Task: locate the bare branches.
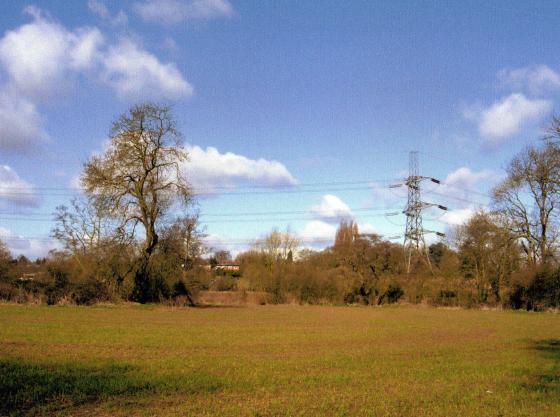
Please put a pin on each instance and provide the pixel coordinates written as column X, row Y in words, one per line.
column 529, row 197
column 139, row 177
column 83, row 227
column 278, row 245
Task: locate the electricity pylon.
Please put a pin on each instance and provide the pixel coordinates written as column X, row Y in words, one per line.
column 414, row 242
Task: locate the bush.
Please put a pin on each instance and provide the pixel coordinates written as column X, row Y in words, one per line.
column 446, row 298
column 90, row 292
column 224, row 283
column 392, row 294
column 537, row 291
column 149, row 286
column 8, row 292
column 181, row 294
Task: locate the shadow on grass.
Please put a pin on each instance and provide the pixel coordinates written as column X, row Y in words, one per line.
column 549, row 381
column 26, row 388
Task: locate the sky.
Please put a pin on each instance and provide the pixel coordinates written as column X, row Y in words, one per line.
column 296, row 114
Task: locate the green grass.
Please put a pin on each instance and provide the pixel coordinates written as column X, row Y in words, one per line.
column 277, row 361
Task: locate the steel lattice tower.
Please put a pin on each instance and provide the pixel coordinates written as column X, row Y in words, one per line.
column 414, row 242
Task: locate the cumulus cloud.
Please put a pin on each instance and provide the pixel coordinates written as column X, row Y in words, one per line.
column 507, row 117
column 537, row 79
column 331, row 208
column 318, row 231
column 458, row 217
column 42, row 58
column 464, row 178
column 135, row 73
column 461, row 187
column 462, row 192
column 14, row 189
column 42, row 55
column 208, row 169
column 32, row 248
column 176, row 11
column 99, row 8
column 21, row 126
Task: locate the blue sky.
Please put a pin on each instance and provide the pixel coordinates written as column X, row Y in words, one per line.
column 274, row 97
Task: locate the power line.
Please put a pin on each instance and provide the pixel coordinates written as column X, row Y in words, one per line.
column 202, row 190
column 310, row 217
column 232, row 214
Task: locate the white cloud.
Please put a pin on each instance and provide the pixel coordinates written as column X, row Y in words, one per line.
column 320, row 234
column 21, row 126
column 41, row 56
column 176, row 11
column 31, row 248
column 464, row 177
column 318, row 231
column 367, row 228
column 331, row 208
column 42, row 59
column 458, row 217
column 507, row 116
column 99, row 8
column 537, row 79
column 14, row 189
column 463, row 187
column 135, row 73
column 208, row 169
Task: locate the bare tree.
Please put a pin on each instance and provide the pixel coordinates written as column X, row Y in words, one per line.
column 5, row 258
column 278, row 245
column 528, row 197
column 138, row 178
column 83, row 227
column 188, row 237
column 488, row 251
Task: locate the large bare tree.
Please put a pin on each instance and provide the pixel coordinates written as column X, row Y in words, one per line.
column 138, row 179
column 528, row 197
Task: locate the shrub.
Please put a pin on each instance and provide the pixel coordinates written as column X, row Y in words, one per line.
column 224, row 283
column 90, row 292
column 446, row 297
column 392, row 294
column 181, row 294
column 8, row 292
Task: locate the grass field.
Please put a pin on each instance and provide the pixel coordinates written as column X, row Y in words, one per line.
column 277, row 361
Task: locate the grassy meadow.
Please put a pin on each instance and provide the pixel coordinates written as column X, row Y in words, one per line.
column 277, row 361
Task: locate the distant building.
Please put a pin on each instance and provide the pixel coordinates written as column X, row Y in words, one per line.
column 226, row 267
column 27, row 277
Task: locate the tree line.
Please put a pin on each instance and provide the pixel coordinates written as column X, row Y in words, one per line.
column 135, row 236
